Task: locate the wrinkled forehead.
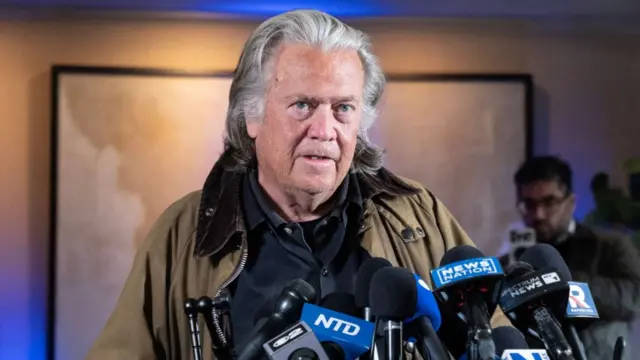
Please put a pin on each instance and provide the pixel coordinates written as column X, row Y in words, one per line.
column 315, row 72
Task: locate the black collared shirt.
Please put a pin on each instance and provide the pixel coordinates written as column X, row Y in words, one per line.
column 323, row 252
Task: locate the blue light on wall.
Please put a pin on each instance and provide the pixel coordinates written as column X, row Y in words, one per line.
column 259, row 8
column 240, row 8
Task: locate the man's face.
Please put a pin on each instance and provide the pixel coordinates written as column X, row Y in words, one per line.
column 307, row 137
column 546, row 207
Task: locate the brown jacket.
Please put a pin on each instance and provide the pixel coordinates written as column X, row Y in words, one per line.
column 199, row 246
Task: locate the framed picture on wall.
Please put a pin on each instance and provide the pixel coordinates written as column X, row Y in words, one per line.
column 126, row 143
column 462, row 136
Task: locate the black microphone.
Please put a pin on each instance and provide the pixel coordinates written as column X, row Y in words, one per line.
column 209, row 309
column 333, row 351
column 392, row 300
column 304, row 354
column 425, row 317
column 534, row 299
column 191, row 309
column 363, row 283
column 468, row 283
column 513, row 346
column 618, row 350
column 543, row 256
column 505, row 338
column 288, row 307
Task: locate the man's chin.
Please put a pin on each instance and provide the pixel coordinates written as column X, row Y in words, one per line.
column 316, row 185
column 545, row 237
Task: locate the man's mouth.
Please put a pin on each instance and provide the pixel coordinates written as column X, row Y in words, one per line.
column 316, row 157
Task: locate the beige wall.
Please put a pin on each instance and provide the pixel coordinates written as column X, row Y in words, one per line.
column 586, row 109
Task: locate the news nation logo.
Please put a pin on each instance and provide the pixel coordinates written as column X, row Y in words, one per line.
column 525, row 355
column 580, row 302
column 465, row 269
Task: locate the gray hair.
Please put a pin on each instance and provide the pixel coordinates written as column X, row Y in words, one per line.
column 248, row 89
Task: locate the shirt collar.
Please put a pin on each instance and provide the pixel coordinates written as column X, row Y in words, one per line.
column 258, row 208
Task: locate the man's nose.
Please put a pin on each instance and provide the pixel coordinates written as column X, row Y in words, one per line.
column 539, row 213
column 322, row 124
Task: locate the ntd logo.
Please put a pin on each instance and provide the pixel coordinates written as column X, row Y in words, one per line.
column 525, row 355
column 580, row 302
column 338, row 325
column 465, row 269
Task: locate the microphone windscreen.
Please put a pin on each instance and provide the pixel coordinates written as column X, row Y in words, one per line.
column 304, row 289
column 506, row 337
column 393, row 293
column 542, row 256
column 363, row 280
column 341, row 302
column 517, row 269
column 459, row 253
column 304, row 354
column 333, row 350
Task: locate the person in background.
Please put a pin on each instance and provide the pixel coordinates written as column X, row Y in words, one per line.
column 299, row 193
column 608, row 262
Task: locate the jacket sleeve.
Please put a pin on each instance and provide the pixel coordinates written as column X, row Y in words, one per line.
column 136, row 329
column 615, row 285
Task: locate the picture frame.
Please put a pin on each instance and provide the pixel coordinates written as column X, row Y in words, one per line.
column 115, row 130
column 462, row 136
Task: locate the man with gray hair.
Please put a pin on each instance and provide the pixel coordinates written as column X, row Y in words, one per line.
column 299, row 193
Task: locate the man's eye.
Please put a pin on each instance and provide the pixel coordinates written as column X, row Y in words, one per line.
column 345, row 107
column 302, row 105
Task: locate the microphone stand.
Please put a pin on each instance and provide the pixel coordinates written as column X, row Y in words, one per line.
column 191, row 309
column 618, row 350
column 393, row 340
column 209, row 308
column 574, row 341
column 480, row 345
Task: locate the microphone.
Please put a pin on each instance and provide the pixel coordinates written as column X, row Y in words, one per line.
column 513, row 346
column 209, row 309
column 296, row 343
column 469, row 283
column 304, row 354
column 426, row 321
column 363, row 282
column 342, row 335
column 393, row 300
column 535, row 299
column 618, row 350
column 581, row 312
column 191, row 309
column 288, row 307
column 505, row 337
column 525, row 355
column 544, row 255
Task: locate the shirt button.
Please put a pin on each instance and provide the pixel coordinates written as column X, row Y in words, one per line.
column 288, row 230
column 324, row 272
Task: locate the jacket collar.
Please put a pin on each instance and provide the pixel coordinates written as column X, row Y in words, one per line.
column 220, row 214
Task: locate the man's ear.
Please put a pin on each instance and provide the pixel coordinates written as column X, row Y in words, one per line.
column 573, row 198
column 253, row 127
